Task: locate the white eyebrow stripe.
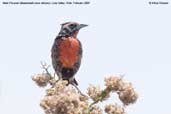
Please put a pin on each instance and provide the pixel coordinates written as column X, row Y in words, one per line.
column 67, row 27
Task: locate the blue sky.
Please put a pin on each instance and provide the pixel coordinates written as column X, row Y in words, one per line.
column 127, row 37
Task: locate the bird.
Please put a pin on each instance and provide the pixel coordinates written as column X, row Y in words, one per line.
column 66, row 52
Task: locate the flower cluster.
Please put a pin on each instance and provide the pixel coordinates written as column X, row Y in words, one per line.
column 114, row 109
column 114, row 83
column 64, row 98
column 124, row 89
column 127, row 94
column 94, row 92
column 96, row 110
column 41, row 79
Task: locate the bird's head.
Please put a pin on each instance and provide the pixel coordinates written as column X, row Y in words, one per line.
column 70, row 29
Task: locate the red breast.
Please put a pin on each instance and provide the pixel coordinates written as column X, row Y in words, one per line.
column 69, row 52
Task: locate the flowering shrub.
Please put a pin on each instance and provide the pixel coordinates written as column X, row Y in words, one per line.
column 62, row 98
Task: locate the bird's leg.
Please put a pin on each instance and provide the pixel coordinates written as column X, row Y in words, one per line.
column 59, row 75
column 54, row 75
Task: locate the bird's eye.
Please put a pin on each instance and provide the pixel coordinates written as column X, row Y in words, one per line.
column 72, row 25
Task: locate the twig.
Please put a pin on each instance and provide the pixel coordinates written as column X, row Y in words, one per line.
column 45, row 67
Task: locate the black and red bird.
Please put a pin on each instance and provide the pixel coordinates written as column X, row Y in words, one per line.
column 66, row 52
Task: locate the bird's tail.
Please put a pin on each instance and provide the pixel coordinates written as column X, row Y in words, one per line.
column 75, row 82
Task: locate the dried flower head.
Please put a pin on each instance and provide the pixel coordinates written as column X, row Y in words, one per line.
column 96, row 110
column 114, row 109
column 64, row 100
column 60, row 86
column 114, row 83
column 94, row 92
column 41, row 79
column 128, row 95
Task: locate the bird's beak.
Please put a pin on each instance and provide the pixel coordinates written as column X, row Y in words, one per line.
column 81, row 26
